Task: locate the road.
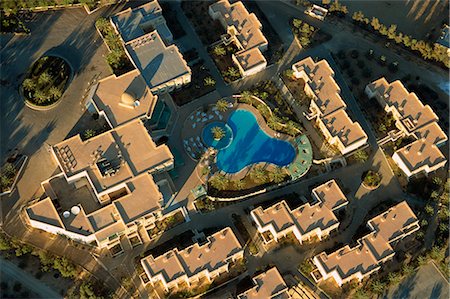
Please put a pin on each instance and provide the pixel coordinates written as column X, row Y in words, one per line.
column 10, row 272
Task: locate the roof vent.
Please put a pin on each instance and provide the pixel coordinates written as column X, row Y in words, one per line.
column 75, row 210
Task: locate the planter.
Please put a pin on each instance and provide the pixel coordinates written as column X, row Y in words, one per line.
column 371, row 180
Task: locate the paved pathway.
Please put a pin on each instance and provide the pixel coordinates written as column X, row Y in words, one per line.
column 11, row 272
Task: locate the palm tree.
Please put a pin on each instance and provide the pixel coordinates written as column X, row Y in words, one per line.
column 217, row 132
column 240, row 184
column 89, row 133
column 358, row 16
column 44, row 78
column 290, row 128
column 103, row 25
column 263, row 95
column 407, row 40
column 394, row 278
column 39, row 96
column 233, row 72
column 219, row 181
column 246, row 97
column 258, row 175
column 222, row 105
column 28, row 84
column 377, row 287
column 219, row 50
column 375, row 23
column 277, row 176
column 209, row 81
column 361, row 156
column 297, row 23
column 383, row 30
column 54, row 92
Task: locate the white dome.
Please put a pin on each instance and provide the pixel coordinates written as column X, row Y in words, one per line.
column 128, row 98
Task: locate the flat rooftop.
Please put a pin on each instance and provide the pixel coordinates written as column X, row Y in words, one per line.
column 112, row 157
column 132, row 23
column 269, row 284
column 157, row 62
column 194, row 259
column 124, row 98
column 341, row 126
column 330, row 195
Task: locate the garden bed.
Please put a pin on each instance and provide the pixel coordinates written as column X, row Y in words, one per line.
column 12, row 23
column 371, row 179
column 165, row 224
column 307, row 35
column 117, row 59
column 202, row 83
column 46, row 81
column 207, row 29
column 221, row 56
column 10, row 172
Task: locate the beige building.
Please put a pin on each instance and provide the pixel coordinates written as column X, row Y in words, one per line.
column 413, row 119
column 372, row 251
column 244, row 30
column 106, row 188
column 305, row 222
column 268, row 285
column 194, row 263
column 121, row 99
column 327, row 108
column 148, row 44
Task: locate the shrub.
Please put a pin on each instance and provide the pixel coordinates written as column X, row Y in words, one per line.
column 371, row 178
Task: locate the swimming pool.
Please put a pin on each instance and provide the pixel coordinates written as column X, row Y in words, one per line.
column 251, row 145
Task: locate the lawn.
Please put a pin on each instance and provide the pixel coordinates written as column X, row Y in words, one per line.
column 46, row 81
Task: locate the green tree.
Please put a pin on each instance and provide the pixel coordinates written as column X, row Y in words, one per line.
column 87, row 292
column 258, row 175
column 28, row 84
column 219, row 181
column 217, row 132
column 394, row 278
column 103, row 25
column 437, row 254
column 297, row 23
column 378, row 287
column 209, row 81
column 54, row 92
column 358, row 16
column 44, row 78
column 4, row 243
column 65, row 267
column 219, row 50
column 375, row 23
column 429, row 210
column 246, row 97
column 392, row 31
column 277, row 175
column 407, row 270
column 291, row 128
column 89, row 133
column 422, row 260
column 222, row 105
column 361, row 156
column 233, row 72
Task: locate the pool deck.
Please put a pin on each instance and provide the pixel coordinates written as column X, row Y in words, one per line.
column 195, row 147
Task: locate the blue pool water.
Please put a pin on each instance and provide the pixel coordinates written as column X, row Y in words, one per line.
column 251, row 145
